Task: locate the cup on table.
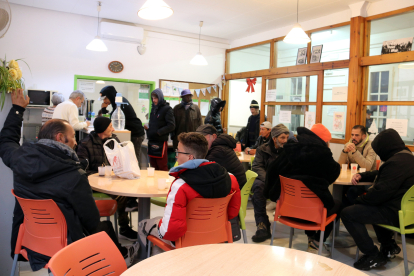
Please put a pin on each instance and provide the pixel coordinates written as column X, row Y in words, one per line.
column 101, row 171
column 362, row 170
column 108, row 170
column 354, row 168
column 150, row 171
column 241, row 155
column 344, row 167
column 162, row 183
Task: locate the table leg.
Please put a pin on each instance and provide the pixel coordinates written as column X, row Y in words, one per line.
column 144, row 208
column 337, row 195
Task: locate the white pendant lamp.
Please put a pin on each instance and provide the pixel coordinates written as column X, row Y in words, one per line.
column 199, row 59
column 97, row 44
column 297, row 35
column 155, row 10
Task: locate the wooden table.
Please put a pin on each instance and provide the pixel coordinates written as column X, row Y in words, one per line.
column 247, row 158
column 143, row 188
column 240, row 259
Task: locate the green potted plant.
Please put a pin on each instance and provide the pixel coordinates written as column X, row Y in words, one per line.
column 10, row 78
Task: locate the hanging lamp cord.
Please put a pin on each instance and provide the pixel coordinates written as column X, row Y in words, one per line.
column 97, row 30
column 199, row 41
column 297, row 11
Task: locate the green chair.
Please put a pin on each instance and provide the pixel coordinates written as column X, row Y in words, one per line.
column 161, row 201
column 245, row 192
column 406, row 217
column 251, row 161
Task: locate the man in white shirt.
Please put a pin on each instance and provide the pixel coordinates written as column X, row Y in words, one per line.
column 68, row 110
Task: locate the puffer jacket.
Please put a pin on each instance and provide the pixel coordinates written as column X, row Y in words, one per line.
column 213, row 116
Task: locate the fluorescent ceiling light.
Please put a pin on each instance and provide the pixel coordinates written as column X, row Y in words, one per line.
column 97, row 44
column 155, row 10
column 198, row 59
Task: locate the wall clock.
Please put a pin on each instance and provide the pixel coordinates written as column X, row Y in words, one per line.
column 115, row 66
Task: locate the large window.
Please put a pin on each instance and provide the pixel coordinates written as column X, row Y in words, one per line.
column 286, row 54
column 249, row 59
column 295, row 89
column 335, row 43
column 297, row 115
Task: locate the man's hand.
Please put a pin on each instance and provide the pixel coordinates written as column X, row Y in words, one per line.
column 350, row 148
column 252, row 152
column 88, row 123
column 104, row 105
column 19, row 99
column 146, row 126
column 246, row 150
column 356, row 178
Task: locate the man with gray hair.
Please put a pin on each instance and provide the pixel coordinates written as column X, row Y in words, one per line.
column 68, row 110
column 265, row 155
column 47, row 114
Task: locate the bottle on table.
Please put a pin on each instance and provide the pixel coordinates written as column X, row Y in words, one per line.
column 118, row 117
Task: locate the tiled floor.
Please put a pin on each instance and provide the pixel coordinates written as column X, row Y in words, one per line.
column 344, row 255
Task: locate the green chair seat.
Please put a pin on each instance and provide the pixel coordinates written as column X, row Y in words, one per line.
column 159, row 201
column 100, row 196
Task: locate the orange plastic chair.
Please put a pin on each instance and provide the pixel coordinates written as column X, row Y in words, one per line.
column 378, row 164
column 43, row 229
column 207, row 223
column 298, row 202
column 94, row 255
column 107, row 208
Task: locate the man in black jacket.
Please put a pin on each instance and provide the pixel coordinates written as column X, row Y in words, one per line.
column 264, row 137
column 50, row 169
column 381, row 203
column 221, row 151
column 161, row 123
column 253, row 125
column 213, row 116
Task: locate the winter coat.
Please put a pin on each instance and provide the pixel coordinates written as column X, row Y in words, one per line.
column 240, row 136
column 260, row 141
column 310, row 161
column 42, row 172
column 365, row 156
column 253, row 126
column 186, row 120
column 196, row 179
column 161, row 121
column 91, row 149
column 394, row 177
column 222, row 152
column 265, row 154
column 213, row 117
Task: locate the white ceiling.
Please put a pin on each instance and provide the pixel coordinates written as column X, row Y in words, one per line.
column 228, row 19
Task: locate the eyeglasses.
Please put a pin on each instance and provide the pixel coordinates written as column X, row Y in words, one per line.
column 177, row 152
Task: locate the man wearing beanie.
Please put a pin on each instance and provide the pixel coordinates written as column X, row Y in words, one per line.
column 264, row 137
column 91, row 149
column 253, row 125
column 265, row 155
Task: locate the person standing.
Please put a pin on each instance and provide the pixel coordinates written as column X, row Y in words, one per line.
column 187, row 116
column 161, row 123
column 213, row 116
column 47, row 113
column 68, row 110
column 253, row 125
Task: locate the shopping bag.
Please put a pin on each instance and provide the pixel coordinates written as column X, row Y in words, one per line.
column 123, row 159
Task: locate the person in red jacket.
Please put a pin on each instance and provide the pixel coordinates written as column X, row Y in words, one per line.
column 194, row 177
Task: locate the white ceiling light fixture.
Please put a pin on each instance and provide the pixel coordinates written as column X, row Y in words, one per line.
column 97, row 44
column 155, row 10
column 297, row 35
column 199, row 59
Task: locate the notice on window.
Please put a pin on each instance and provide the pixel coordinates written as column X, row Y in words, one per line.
column 271, row 95
column 86, row 86
column 339, row 122
column 399, row 125
column 204, row 108
column 285, row 117
column 340, row 94
column 310, row 118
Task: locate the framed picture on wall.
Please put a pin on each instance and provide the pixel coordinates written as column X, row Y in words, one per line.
column 397, row 45
column 316, row 54
column 301, row 58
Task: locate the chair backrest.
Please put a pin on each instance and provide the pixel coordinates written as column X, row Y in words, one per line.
column 176, row 164
column 94, row 255
column 44, row 226
column 246, row 190
column 407, row 207
column 207, row 222
column 297, row 201
column 378, row 164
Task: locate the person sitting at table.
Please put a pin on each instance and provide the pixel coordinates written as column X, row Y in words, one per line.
column 195, row 177
column 381, row 203
column 91, row 149
column 264, row 137
column 310, row 161
column 221, row 151
column 50, row 169
column 265, row 155
column 68, row 110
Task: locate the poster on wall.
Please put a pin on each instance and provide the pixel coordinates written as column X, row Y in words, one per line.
column 271, row 95
column 285, row 117
column 340, row 94
column 167, row 89
column 86, row 86
column 301, row 58
column 310, row 117
column 397, row 45
column 143, row 109
column 203, row 108
column 316, row 54
column 339, row 122
column 399, row 125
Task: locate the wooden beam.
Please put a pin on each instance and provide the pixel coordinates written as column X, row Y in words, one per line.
column 263, row 98
column 328, row 27
column 387, row 58
column 272, row 55
column 391, row 13
column 290, row 103
column 410, row 103
column 319, row 98
column 249, row 45
column 335, row 103
column 338, row 141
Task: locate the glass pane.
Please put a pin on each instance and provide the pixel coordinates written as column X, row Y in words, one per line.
column 286, row 54
column 390, row 28
column 250, row 59
column 334, row 119
column 334, row 78
column 377, row 115
column 297, row 115
column 293, row 89
column 335, row 43
column 391, row 82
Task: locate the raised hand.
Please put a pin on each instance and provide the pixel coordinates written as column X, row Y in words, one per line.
column 19, row 99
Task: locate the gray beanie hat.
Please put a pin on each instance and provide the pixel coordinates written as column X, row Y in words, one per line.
column 279, row 129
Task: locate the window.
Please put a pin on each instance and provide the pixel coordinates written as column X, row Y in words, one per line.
column 249, row 59
column 294, row 89
column 332, row 79
column 286, row 54
column 334, row 119
column 335, row 43
column 297, row 115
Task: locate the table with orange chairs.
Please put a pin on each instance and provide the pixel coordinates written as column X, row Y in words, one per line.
column 240, row 259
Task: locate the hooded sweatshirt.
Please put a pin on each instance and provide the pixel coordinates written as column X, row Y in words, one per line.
column 161, row 121
column 196, row 178
column 213, row 116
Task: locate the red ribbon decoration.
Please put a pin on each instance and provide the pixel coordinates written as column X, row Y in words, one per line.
column 250, row 83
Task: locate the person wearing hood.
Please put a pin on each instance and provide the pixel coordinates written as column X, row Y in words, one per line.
column 195, row 177
column 187, row 116
column 265, row 155
column 264, row 137
column 50, row 169
column 161, row 123
column 132, row 122
column 253, row 125
column 381, row 203
column 213, row 117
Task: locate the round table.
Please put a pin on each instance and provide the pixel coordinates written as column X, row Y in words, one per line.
column 240, row 259
column 247, row 158
column 143, row 188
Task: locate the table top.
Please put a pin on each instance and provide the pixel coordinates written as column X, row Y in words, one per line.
column 240, row 259
column 345, row 179
column 246, row 158
column 146, row 186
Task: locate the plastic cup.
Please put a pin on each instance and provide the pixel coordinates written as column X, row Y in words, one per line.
column 362, row 170
column 354, row 168
column 108, row 171
column 101, row 171
column 241, row 155
column 162, row 183
column 150, row 171
column 344, row 167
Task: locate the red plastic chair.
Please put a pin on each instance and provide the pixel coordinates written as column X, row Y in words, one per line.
column 107, row 208
column 298, row 202
column 43, row 229
column 207, row 223
column 378, row 164
column 95, row 255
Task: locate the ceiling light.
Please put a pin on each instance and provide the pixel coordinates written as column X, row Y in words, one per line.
column 100, row 82
column 199, row 59
column 297, row 35
column 97, row 44
column 155, row 10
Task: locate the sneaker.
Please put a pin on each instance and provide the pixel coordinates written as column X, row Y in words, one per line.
column 131, row 206
column 132, row 252
column 313, row 247
column 128, row 234
column 389, row 251
column 262, row 233
column 271, row 206
column 367, row 262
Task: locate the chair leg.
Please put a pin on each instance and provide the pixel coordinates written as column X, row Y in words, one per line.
column 130, row 219
column 357, row 254
column 405, row 254
column 149, row 249
column 16, row 256
column 244, row 235
column 291, row 237
column 116, row 223
column 321, row 242
column 333, row 240
column 395, row 236
column 273, row 232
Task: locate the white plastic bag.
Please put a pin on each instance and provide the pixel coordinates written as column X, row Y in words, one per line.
column 123, row 159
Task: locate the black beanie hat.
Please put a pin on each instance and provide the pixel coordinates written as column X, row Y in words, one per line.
column 101, row 124
column 254, row 104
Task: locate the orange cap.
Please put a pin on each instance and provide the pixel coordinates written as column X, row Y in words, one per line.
column 322, row 132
